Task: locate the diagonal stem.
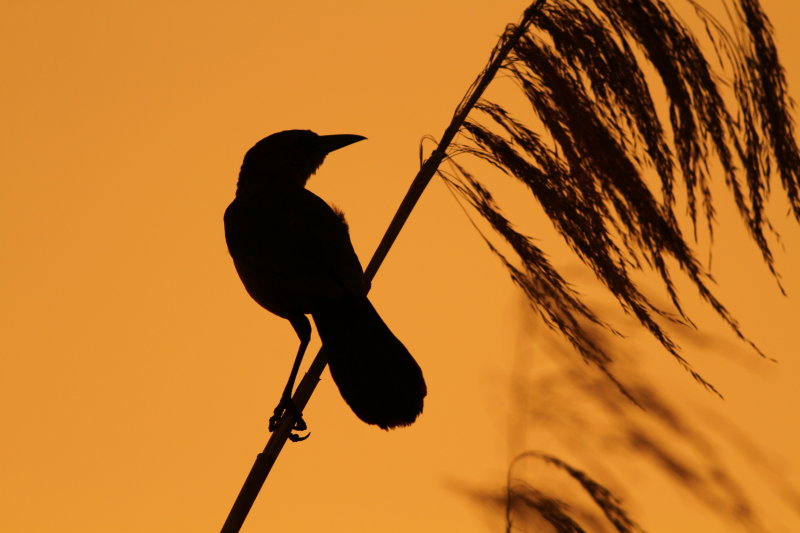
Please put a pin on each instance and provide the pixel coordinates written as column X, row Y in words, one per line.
column 265, row 460
column 431, row 165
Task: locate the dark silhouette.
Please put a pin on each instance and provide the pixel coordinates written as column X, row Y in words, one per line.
column 283, row 431
column 293, row 253
column 595, row 134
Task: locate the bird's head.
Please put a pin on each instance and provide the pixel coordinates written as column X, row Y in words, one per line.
column 288, row 158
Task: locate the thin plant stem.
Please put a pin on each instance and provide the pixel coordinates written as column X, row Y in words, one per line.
column 266, row 459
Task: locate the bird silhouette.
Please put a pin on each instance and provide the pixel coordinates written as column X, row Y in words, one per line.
column 293, row 254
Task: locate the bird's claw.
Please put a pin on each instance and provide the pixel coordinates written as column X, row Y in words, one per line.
column 286, row 405
column 294, row 437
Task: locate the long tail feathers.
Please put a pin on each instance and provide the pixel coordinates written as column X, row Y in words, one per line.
column 375, row 373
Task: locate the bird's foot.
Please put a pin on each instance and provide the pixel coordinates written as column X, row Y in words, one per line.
column 284, row 407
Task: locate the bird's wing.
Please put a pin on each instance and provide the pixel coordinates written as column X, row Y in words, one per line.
column 325, row 231
column 297, row 241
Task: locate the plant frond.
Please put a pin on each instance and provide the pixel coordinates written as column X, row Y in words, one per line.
column 582, row 69
column 555, row 511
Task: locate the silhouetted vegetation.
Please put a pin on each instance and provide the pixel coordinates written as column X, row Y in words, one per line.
column 588, row 70
column 610, row 165
column 584, row 72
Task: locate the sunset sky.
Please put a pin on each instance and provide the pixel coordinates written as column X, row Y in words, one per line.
column 138, row 376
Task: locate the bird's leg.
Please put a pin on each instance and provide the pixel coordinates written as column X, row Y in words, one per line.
column 302, row 327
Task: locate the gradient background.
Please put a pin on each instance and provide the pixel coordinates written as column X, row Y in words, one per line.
column 138, row 376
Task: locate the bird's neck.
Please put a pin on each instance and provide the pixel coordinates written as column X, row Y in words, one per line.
column 265, row 187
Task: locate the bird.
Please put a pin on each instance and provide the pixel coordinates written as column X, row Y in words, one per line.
column 293, row 254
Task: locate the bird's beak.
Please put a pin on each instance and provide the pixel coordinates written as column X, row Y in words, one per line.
column 329, row 143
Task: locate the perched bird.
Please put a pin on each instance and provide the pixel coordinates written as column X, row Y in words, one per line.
column 294, row 256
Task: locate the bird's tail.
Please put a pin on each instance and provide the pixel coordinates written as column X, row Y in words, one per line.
column 375, row 373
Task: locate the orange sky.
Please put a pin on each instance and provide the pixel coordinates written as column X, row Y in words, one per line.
column 138, row 376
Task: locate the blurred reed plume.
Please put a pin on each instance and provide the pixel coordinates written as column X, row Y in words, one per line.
column 556, row 513
column 687, row 450
column 588, row 72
